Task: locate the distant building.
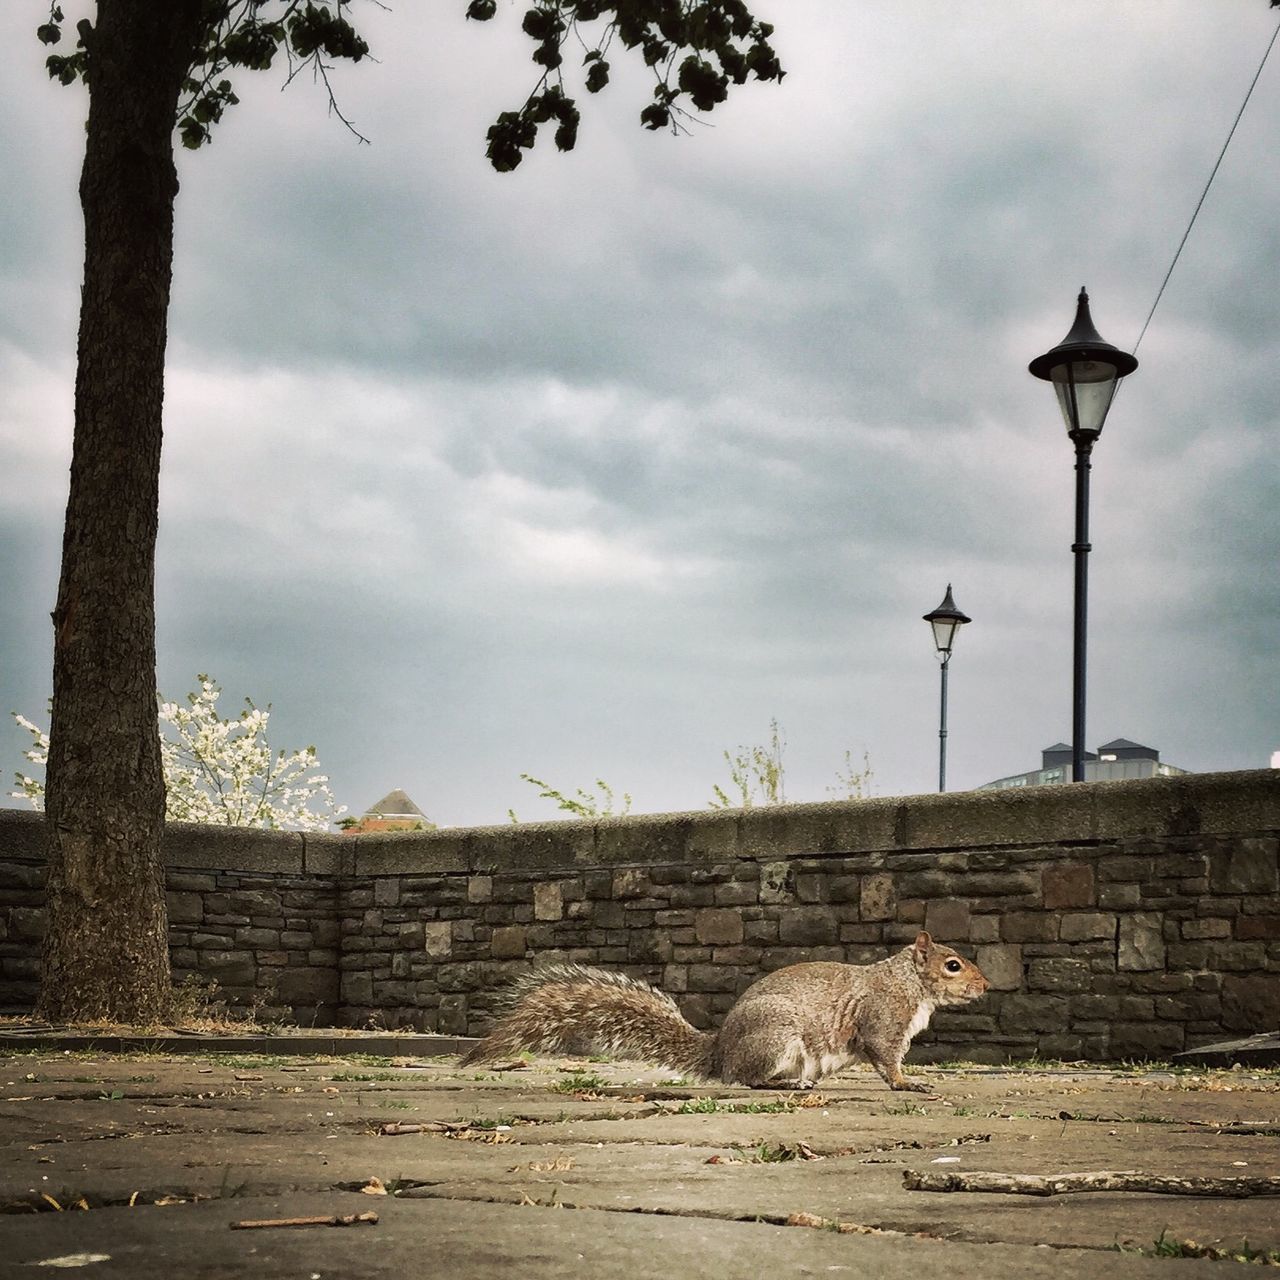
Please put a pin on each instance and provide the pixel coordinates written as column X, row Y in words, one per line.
column 1112, row 762
column 394, row 812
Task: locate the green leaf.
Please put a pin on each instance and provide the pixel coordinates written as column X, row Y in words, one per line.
column 597, row 77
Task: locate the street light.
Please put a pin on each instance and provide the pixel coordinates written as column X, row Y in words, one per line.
column 946, row 620
column 1085, row 372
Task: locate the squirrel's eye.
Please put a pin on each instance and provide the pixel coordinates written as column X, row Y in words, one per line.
column 952, row 966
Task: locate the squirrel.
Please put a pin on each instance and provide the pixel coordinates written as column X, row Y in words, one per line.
column 788, row 1029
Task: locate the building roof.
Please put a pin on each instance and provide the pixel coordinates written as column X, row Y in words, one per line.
column 1059, row 746
column 395, row 804
column 1123, row 744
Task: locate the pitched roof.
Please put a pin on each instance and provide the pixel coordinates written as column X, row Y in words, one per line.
column 1059, row 746
column 395, row 804
column 1120, row 744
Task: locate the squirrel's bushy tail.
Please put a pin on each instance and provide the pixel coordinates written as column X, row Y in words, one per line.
column 569, row 1008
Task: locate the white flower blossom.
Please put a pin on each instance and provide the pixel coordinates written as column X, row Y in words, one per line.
column 219, row 771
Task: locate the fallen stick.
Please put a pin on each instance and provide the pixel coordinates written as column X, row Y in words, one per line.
column 320, row 1220
column 1029, row 1184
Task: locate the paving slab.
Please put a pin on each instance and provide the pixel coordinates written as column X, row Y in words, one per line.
column 585, row 1168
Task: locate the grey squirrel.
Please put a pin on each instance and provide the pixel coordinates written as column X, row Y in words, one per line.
column 791, row 1027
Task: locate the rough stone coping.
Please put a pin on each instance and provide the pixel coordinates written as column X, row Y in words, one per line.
column 1205, row 803
column 1254, row 1051
column 296, row 1042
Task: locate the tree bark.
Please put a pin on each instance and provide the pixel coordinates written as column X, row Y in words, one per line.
column 106, row 950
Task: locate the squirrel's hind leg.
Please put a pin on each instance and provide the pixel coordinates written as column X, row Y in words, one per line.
column 764, row 1059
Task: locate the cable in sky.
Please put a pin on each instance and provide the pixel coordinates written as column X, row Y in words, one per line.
column 1207, row 185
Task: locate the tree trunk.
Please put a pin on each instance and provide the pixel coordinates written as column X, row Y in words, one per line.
column 106, row 950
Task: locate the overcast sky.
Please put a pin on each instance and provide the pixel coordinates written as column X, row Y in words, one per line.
column 591, row 469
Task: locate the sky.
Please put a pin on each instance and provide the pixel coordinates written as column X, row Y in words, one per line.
column 595, row 469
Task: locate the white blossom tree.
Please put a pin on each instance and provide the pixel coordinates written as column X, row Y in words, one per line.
column 219, row 770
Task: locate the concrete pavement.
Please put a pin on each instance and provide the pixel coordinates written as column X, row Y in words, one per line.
column 586, row 1169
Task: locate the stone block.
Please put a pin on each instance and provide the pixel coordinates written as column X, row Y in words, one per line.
column 438, row 939
column 646, row 947
column 1102, row 1007
column 737, row 893
column 1265, row 927
column 860, row 933
column 1033, row 1013
column 1246, row 866
column 306, row 987
column 229, row 968
column 1067, row 884
column 808, row 927
column 696, row 1008
column 325, row 933
column 185, row 908
column 760, row 932
column 1059, row 975
column 1146, row 1039
column 258, row 937
column 844, row 888
column 1239, row 957
column 1212, row 927
column 1001, row 964
column 255, row 902
column 451, row 1015
column 1192, row 1006
column 984, row 928
column 1119, row 897
column 777, row 882
column 631, row 882
column 386, row 891
column 1029, row 926
column 548, row 901
column 508, row 942
column 27, row 923
column 712, row 977
column 1140, row 944
column 811, row 886
column 608, row 915
column 718, row 926
column 479, row 888
column 947, row 919
column 1087, row 926
column 1251, row 1002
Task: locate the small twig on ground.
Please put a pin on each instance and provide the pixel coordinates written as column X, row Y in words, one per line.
column 395, row 1129
column 1027, row 1184
column 320, row 1220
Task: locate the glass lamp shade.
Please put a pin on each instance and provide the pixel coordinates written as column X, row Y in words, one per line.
column 1085, row 371
column 946, row 620
column 1085, row 389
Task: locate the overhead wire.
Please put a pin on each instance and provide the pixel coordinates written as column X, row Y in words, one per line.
column 1204, row 193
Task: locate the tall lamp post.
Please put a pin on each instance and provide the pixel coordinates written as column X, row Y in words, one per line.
column 1085, row 372
column 946, row 620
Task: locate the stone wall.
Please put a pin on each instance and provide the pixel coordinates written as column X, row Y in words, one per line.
column 1113, row 919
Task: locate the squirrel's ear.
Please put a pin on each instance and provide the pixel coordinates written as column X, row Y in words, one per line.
column 923, row 941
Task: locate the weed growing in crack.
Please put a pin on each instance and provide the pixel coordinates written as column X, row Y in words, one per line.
column 1167, row 1246
column 580, row 1082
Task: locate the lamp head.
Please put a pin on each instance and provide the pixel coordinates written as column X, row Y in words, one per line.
column 1085, row 371
column 946, row 620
